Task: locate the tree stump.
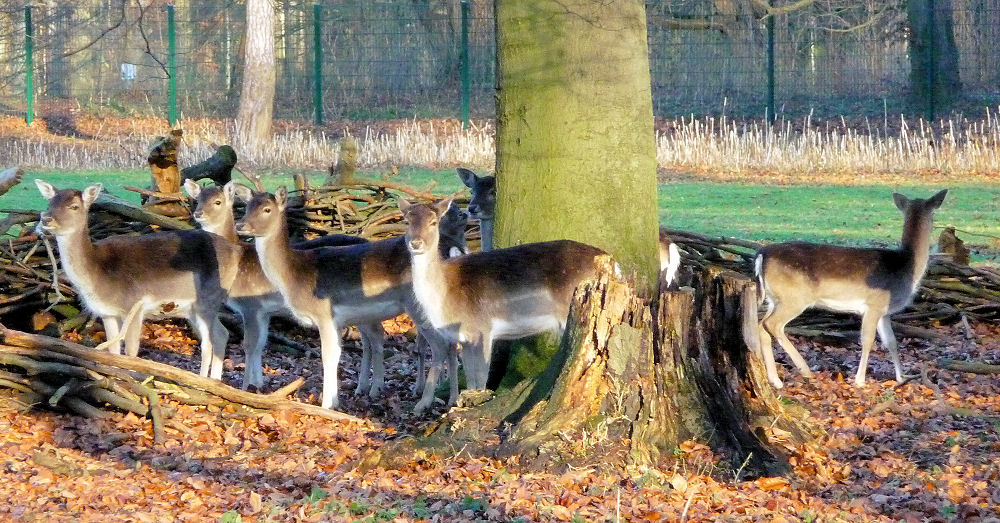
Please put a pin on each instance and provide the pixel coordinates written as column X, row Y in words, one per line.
column 218, row 167
column 166, row 178
column 633, row 379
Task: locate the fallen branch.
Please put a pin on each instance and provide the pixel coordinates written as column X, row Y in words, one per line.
column 974, row 367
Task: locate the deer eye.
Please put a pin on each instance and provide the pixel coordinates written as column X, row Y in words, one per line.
column 218, row 202
column 74, row 207
column 267, row 210
column 434, row 222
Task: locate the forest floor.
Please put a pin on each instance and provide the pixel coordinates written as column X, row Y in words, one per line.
column 923, row 451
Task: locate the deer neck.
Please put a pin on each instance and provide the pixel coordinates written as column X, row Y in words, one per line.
column 277, row 258
column 916, row 245
column 430, row 283
column 78, row 255
column 228, row 228
column 486, row 234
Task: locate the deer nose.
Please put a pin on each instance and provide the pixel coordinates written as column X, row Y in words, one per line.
column 473, row 209
column 416, row 245
column 243, row 228
column 198, row 215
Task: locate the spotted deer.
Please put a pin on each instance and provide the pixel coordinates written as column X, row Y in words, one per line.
column 171, row 274
column 330, row 287
column 482, row 207
column 499, row 294
column 252, row 295
column 872, row 282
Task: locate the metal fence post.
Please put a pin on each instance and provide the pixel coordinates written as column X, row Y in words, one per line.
column 931, row 63
column 317, row 66
column 464, row 64
column 29, row 67
column 770, row 67
column 171, row 67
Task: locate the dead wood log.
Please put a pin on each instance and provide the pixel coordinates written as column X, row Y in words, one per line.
column 36, row 345
column 975, row 367
column 218, row 167
column 9, row 178
column 131, row 211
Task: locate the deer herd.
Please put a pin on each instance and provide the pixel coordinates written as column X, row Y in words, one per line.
column 456, row 298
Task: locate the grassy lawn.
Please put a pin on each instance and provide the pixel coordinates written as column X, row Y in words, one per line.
column 863, row 214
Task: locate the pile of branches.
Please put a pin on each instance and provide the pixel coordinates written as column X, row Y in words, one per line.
column 950, row 292
column 58, row 373
column 368, row 209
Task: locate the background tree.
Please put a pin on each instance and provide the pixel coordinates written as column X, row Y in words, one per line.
column 256, row 111
column 934, row 66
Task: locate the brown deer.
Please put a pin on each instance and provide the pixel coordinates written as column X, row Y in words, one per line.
column 499, row 294
column 252, row 295
column 871, row 282
column 483, row 204
column 171, row 274
column 329, row 287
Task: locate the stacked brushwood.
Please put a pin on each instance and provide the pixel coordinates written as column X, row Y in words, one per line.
column 368, row 209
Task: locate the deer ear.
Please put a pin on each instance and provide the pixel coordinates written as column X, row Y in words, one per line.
column 242, row 192
column 229, row 190
column 468, row 177
column 46, row 188
column 281, row 196
column 90, row 193
column 442, row 206
column 404, row 205
column 192, row 188
column 901, row 201
column 935, row 201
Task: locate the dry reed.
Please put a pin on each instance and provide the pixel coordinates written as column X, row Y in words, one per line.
column 792, row 148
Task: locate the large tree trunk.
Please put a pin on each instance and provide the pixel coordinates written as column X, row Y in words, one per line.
column 933, row 53
column 253, row 121
column 576, row 155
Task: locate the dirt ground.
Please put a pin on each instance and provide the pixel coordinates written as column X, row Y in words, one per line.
column 923, row 451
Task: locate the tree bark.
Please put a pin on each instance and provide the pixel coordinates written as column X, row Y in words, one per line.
column 166, row 178
column 933, row 53
column 576, row 156
column 218, row 167
column 253, row 120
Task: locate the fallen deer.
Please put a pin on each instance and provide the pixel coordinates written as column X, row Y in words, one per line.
column 872, row 282
column 330, row 287
column 482, row 207
column 500, row 294
column 171, row 274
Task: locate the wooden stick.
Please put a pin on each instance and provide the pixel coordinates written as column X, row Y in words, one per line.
column 974, row 367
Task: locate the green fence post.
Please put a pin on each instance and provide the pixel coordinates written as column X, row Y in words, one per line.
column 29, row 67
column 464, row 64
column 770, row 67
column 171, row 67
column 317, row 65
column 931, row 63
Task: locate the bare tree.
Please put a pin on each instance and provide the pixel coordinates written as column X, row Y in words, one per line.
column 256, row 111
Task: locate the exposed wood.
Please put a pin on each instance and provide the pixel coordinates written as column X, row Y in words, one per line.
column 162, row 160
column 974, row 367
column 9, row 178
column 114, row 204
column 33, row 346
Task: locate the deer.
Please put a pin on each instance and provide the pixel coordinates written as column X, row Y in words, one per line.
column 256, row 299
column 871, row 282
column 252, row 295
column 329, row 287
column 162, row 274
column 482, row 207
column 499, row 294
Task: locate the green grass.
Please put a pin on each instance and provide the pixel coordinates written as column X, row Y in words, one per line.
column 863, row 214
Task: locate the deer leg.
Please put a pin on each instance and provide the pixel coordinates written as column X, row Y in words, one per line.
column 111, row 331
column 452, row 374
column 869, row 323
column 766, row 348
column 133, row 332
column 329, row 337
column 420, row 347
column 376, row 348
column 254, row 338
column 889, row 342
column 476, row 361
column 775, row 323
column 438, row 347
column 365, row 368
column 204, row 331
column 219, row 336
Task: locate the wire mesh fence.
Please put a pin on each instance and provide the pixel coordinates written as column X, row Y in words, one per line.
column 404, row 58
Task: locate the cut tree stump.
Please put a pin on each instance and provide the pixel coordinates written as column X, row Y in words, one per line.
column 631, row 381
column 162, row 161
